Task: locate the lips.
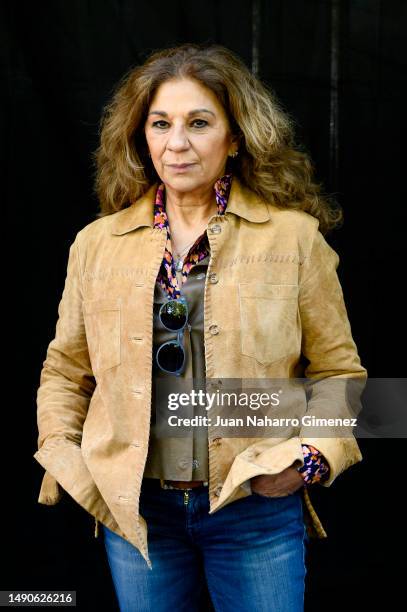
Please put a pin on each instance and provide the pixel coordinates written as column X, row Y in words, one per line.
column 180, row 165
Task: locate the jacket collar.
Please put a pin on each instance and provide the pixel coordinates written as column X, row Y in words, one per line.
column 242, row 202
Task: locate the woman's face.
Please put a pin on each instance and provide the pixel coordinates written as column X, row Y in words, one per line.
column 188, row 135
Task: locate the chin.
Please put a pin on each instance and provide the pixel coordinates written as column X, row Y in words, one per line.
column 184, row 183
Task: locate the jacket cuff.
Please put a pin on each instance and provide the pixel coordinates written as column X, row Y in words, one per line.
column 51, row 491
column 246, row 486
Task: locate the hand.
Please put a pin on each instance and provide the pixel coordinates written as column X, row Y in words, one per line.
column 277, row 485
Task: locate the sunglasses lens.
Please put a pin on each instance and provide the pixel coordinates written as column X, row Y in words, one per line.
column 170, row 356
column 174, row 314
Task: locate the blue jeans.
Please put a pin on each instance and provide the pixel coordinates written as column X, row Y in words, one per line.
column 251, row 553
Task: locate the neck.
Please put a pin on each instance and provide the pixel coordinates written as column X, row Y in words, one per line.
column 190, row 210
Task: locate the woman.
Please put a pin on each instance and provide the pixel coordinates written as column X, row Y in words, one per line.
column 208, row 262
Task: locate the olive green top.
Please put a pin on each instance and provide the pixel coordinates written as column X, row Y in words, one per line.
column 181, row 458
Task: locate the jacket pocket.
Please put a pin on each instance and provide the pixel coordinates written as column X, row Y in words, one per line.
column 102, row 323
column 269, row 319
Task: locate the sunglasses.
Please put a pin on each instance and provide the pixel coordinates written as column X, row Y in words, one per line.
column 170, row 356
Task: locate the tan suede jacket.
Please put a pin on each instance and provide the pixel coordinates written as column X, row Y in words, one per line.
column 272, row 297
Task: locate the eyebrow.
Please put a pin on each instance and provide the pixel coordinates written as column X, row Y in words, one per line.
column 196, row 111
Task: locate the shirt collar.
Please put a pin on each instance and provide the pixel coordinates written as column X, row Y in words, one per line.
column 222, row 189
column 241, row 201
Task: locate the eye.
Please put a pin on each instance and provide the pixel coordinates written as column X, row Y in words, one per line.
column 202, row 122
column 160, row 121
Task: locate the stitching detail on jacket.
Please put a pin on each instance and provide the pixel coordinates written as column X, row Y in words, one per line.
column 294, row 258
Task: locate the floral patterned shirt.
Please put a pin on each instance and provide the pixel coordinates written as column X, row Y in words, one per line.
column 315, row 468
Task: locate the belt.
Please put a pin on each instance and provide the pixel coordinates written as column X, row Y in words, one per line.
column 182, row 484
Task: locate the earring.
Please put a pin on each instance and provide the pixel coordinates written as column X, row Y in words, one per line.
column 235, row 154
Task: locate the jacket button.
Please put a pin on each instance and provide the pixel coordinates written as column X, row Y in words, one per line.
column 213, row 278
column 217, row 491
column 215, row 229
column 214, row 329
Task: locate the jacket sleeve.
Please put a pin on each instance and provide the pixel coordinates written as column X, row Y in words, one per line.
column 66, row 380
column 335, row 376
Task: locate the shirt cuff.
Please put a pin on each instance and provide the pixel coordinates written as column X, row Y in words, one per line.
column 315, row 468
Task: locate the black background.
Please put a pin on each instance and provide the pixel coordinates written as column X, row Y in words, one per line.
column 62, row 59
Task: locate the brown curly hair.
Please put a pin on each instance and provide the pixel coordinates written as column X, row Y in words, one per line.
column 269, row 162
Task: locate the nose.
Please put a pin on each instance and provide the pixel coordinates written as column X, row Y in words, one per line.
column 177, row 139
